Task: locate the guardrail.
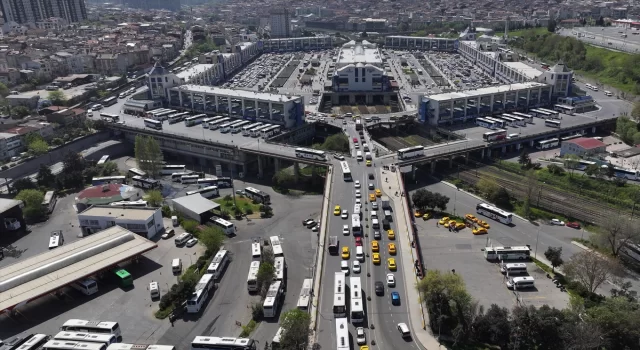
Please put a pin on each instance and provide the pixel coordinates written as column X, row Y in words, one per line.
column 180, row 135
column 447, row 152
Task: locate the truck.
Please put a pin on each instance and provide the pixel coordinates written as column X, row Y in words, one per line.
column 385, row 202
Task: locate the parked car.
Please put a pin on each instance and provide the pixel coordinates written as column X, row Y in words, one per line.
column 556, row 222
column 192, row 242
column 575, row 225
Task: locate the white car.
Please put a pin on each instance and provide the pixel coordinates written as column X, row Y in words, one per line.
column 371, row 186
column 356, row 184
column 344, row 266
column 192, row 242
column 345, row 214
column 360, row 337
column 358, row 194
column 391, row 280
column 556, row 222
column 345, row 229
column 358, row 201
column 374, row 205
column 374, row 215
column 355, row 266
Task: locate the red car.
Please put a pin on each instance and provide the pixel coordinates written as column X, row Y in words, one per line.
column 573, row 225
column 355, row 140
column 358, row 241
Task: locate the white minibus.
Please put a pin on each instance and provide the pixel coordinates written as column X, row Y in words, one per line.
column 87, row 286
column 520, row 282
column 513, row 269
column 183, row 238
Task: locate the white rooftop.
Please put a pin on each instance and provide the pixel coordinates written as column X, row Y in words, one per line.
column 196, row 203
column 364, row 52
column 6, row 204
column 524, row 69
column 194, row 70
column 117, row 212
column 419, row 37
column 254, row 95
column 485, row 91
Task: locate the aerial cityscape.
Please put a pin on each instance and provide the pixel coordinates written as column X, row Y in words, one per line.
column 392, row 169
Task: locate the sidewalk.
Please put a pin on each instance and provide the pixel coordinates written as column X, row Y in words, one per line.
column 417, row 316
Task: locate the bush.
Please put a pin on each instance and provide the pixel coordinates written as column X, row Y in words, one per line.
column 257, row 312
column 248, row 211
column 190, row 226
column 166, row 211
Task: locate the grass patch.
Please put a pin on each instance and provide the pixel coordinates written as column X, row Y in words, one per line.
column 164, row 313
column 308, row 170
column 611, row 60
column 248, row 329
column 243, row 203
column 523, row 32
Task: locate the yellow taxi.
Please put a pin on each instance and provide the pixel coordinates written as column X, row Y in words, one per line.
column 336, row 210
column 391, row 234
column 375, row 247
column 392, row 248
column 479, row 231
column 450, row 223
column 484, row 224
column 368, row 163
column 471, row 217
column 391, row 263
column 378, row 193
column 426, row 216
column 443, row 220
column 364, row 347
column 345, row 252
column 372, row 197
column 376, row 258
column 460, row 225
column 417, row 214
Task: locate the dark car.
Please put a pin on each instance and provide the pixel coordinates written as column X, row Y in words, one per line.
column 370, row 176
column 379, row 288
column 395, row 298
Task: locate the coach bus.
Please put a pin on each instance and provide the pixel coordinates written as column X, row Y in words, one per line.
column 518, row 121
column 213, row 125
column 270, row 131
column 495, row 213
column 72, row 345
column 96, row 181
column 195, row 303
column 546, row 144
column 342, row 334
column 169, row 169
column 507, row 253
column 528, row 118
column 258, row 131
column 34, row 343
column 103, row 327
column 49, row 202
column 164, row 115
column 105, row 339
column 257, row 195
column 225, row 226
column 108, row 117
column 109, row 101
column 153, row 124
column 218, row 264
column 238, row 126
column 246, row 130
column 194, row 120
column 552, row 123
column 206, row 192
column 311, row 154
column 189, row 179
column 538, row 113
column 142, row 182
column 305, row 294
column 569, row 110
column 104, row 159
column 125, row 346
column 224, row 343
column 346, row 172
column 411, row 152
column 273, row 299
column 486, row 123
column 228, row 127
column 137, row 172
column 499, row 123
column 178, row 117
column 496, row 135
column 554, row 114
column 276, row 246
column 339, row 295
column 154, row 112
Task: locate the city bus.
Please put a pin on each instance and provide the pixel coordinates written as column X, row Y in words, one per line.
column 258, row 131
column 257, row 195
column 342, row 334
column 486, row 123
column 305, row 294
column 311, row 154
column 280, row 266
column 168, row 169
column 411, row 152
column 569, row 110
column 213, row 125
column 218, row 264
column 206, row 192
column 355, row 225
column 270, row 131
column 72, row 345
column 499, row 123
column 229, row 126
column 225, row 343
column 207, row 182
column 225, row 226
column 333, row 245
column 272, row 301
column 540, row 113
column 357, row 308
column 507, row 253
column 554, row 114
column 275, row 343
column 49, row 202
column 252, row 279
column 275, row 246
column 34, row 343
column 109, row 101
column 194, row 120
column 194, row 304
column 125, row 346
column 154, row 112
column 164, row 115
column 103, row 160
column 142, row 182
column 358, row 124
column 189, row 179
column 494, row 213
column 518, row 121
column 546, row 144
column 105, row 339
column 256, row 251
column 109, row 117
column 496, row 135
column 153, row 124
column 137, row 172
column 238, row 126
column 246, row 130
column 102, row 327
column 96, row 181
column 552, row 123
column 346, row 172
column 339, row 295
column 177, row 117
column 528, row 118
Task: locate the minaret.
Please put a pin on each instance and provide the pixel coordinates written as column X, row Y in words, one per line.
column 506, row 28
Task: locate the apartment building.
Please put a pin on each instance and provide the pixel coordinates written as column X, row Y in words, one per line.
column 34, row 11
column 10, row 145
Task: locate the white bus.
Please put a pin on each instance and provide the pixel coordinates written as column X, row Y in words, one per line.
column 104, row 327
column 357, row 308
column 528, row 118
column 272, row 301
column 104, row 159
column 105, row 339
column 552, row 123
column 499, row 123
column 342, row 334
column 56, row 239
column 280, row 266
column 258, row 131
column 225, row 343
column 96, row 181
column 139, row 181
column 109, row 101
column 411, row 152
column 87, row 286
column 554, row 114
column 238, row 126
column 538, row 113
column 270, row 131
column 169, row 169
column 177, row 176
column 194, row 120
column 246, row 130
column 305, row 294
column 155, row 112
column 206, row 192
column 189, row 179
column 49, row 202
column 356, row 227
column 311, row 154
column 495, row 135
column 194, row 304
column 275, row 343
column 339, row 295
column 225, row 226
column 518, row 120
column 213, row 125
column 72, row 345
column 486, row 123
column 256, row 251
column 34, row 343
column 153, row 124
column 507, row 253
column 108, row 117
column 275, row 246
column 252, row 279
column 495, row 213
column 546, row 144
column 137, row 172
column 346, row 172
column 178, row 117
column 125, row 346
column 206, row 123
column 225, row 128
column 209, row 181
column 257, row 195
column 218, row 264
column 162, row 116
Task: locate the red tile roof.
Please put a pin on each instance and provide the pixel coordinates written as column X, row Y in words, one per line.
column 587, row 142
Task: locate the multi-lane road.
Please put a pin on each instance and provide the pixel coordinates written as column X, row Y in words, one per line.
column 379, row 311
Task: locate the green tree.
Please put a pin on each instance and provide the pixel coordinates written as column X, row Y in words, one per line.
column 589, row 269
column 487, row 187
column 592, row 170
column 45, row 177
column 284, row 178
column 268, row 256
column 72, row 162
column 148, row 155
column 423, row 199
column 32, row 203
column 266, row 274
column 337, row 143
column 108, row 168
column 554, row 255
column 4, row 91
column 212, row 238
column 190, row 226
column 20, row 112
column 635, row 112
column 57, row 97
column 524, row 160
column 296, row 329
column 38, row 147
column 492, row 327
column 571, row 161
column 24, row 183
column 440, row 201
column 551, row 26
column 154, row 198
column 619, row 320
column 617, row 233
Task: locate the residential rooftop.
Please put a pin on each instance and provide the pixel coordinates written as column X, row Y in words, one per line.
column 254, row 95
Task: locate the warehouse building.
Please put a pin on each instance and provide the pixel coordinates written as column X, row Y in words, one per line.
column 583, row 146
column 195, row 207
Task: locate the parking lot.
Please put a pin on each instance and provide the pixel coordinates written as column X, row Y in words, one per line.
column 258, row 74
column 465, row 75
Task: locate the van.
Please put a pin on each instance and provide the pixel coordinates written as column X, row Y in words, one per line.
column 385, row 224
column 512, row 136
column 174, row 220
column 520, row 282
column 359, row 156
column 365, row 147
column 514, row 269
column 176, row 265
column 608, row 93
column 375, row 223
column 368, row 155
column 360, row 253
column 404, row 330
column 154, row 291
column 183, row 238
column 387, row 214
column 86, row 286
